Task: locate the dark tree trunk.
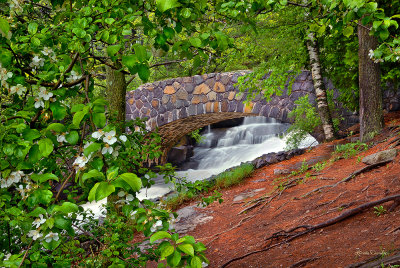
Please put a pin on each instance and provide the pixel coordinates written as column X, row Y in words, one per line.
column 371, row 112
column 115, row 93
column 319, row 87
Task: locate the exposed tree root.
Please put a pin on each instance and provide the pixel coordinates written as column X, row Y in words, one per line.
column 303, row 262
column 215, row 236
column 291, row 234
column 282, row 188
column 377, row 261
column 351, row 176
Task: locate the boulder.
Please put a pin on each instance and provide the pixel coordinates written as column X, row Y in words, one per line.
column 381, row 156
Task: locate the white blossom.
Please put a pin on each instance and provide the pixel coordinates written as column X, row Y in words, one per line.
column 19, row 89
column 23, row 190
column 47, row 51
column 7, row 257
column 74, row 76
column 109, row 137
column 107, row 149
column 16, row 176
column 87, row 144
column 6, row 182
column 128, row 197
column 156, row 226
column 44, row 94
column 61, row 138
column 123, row 138
column 133, row 214
column 37, row 62
column 35, row 234
column 98, row 134
column 371, row 53
column 4, row 75
column 378, row 60
column 51, row 236
column 39, row 103
column 115, row 153
column 38, row 221
column 81, row 161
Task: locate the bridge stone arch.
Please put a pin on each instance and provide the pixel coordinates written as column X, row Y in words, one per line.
column 180, row 105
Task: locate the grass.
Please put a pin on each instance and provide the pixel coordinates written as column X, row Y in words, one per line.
column 197, row 190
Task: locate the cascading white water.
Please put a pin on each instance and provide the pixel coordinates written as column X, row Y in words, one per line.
column 225, row 148
column 228, row 147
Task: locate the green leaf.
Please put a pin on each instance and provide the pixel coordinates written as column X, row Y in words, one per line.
column 30, row 134
column 92, row 193
column 129, row 61
column 134, row 181
column 164, row 5
column 46, row 147
column 144, row 72
column 166, row 251
column 195, row 41
column 72, row 137
column 97, row 163
column 109, row 21
column 79, row 32
column 32, row 28
column 186, row 13
column 376, row 24
column 94, row 147
column 103, row 190
column 112, row 50
column 187, row 248
column 43, row 196
column 35, row 41
column 67, row 207
column 4, row 27
column 43, row 177
column 94, row 173
column 59, row 111
column 99, row 119
column 348, row 31
column 57, row 127
column 140, row 52
column 174, row 260
column 384, row 34
column 34, row 154
column 78, row 116
column 169, row 32
column 5, row 57
column 159, row 235
column 77, row 107
column 52, row 245
column 196, row 262
column 37, row 211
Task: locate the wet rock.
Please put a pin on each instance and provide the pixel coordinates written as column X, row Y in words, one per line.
column 382, row 156
column 281, row 171
column 180, row 154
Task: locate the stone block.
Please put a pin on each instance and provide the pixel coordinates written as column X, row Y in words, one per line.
column 200, row 108
column 182, row 94
column 256, row 108
column 182, row 113
column 155, row 103
column 153, row 113
column 176, row 85
column 158, row 93
column 173, row 99
column 198, row 79
column 169, row 90
column 189, row 87
column 219, row 87
column 139, row 104
column 231, row 95
column 240, row 107
column 210, row 82
column 188, row 79
column 274, row 113
column 179, row 104
column 382, row 156
column 204, row 98
column 169, row 82
column 209, row 106
column 131, row 101
column 165, row 99
column 196, row 100
column 224, row 106
column 170, row 106
column 201, row 89
column 216, row 107
column 225, row 79
column 265, row 110
column 239, row 96
column 212, row 96
column 192, row 110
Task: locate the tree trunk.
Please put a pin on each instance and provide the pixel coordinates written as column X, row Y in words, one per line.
column 319, row 87
column 371, row 113
column 115, row 93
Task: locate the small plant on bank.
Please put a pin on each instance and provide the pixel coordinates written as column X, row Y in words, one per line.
column 319, row 166
column 380, row 210
column 350, row 149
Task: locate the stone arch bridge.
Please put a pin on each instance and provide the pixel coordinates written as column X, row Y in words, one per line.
column 181, row 105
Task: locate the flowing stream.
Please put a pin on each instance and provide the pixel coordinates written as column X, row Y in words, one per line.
column 228, row 147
